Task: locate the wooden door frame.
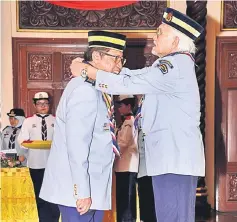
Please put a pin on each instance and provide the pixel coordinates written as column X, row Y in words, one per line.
column 222, row 170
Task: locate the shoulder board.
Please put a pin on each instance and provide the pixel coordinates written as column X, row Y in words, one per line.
column 164, row 66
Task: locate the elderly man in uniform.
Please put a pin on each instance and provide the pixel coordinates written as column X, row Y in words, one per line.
column 40, row 126
column 170, row 114
column 78, row 175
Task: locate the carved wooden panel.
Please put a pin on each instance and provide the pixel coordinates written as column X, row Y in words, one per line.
column 67, row 60
column 226, row 125
column 233, row 187
column 229, row 14
column 43, row 15
column 40, row 66
column 232, row 124
column 232, row 66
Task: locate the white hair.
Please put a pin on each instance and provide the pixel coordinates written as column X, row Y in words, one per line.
column 185, row 43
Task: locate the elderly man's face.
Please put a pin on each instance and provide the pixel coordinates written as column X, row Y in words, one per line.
column 165, row 41
column 110, row 61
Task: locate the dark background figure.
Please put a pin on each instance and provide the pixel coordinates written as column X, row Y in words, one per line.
column 126, row 167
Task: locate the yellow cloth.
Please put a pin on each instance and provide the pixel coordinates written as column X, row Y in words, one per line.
column 18, row 199
column 17, row 196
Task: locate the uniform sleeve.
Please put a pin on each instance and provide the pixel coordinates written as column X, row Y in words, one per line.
column 24, row 133
column 80, row 119
column 125, row 135
column 151, row 80
column 21, row 151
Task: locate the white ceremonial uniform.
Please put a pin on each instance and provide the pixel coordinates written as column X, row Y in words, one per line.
column 127, row 141
column 81, row 158
column 170, row 113
column 31, row 130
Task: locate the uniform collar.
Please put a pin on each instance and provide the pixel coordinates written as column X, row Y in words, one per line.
column 191, row 55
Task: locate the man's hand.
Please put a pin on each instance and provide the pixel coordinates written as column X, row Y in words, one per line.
column 21, row 158
column 77, row 66
column 83, row 205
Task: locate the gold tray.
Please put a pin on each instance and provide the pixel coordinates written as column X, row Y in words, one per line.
column 37, row 144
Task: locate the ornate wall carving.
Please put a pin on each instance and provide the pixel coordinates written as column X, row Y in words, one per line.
column 229, row 15
column 233, row 187
column 67, row 60
column 232, row 65
column 40, row 67
column 43, row 15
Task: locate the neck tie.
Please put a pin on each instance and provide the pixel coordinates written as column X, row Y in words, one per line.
column 110, row 107
column 138, row 113
column 11, row 144
column 43, row 127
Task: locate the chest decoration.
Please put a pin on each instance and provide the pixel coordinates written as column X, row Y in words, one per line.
column 106, row 127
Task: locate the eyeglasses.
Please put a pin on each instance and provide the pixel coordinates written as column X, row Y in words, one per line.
column 117, row 58
column 42, row 104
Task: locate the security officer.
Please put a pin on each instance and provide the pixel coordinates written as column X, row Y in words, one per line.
column 78, row 176
column 10, row 133
column 170, row 114
column 40, row 126
column 126, row 167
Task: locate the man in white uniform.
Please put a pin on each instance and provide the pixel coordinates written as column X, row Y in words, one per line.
column 40, row 126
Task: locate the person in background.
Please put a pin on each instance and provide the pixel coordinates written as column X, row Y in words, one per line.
column 145, row 189
column 10, row 134
column 40, row 126
column 126, row 167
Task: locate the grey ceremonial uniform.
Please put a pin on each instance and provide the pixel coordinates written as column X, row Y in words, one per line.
column 6, row 134
column 81, row 156
column 170, row 113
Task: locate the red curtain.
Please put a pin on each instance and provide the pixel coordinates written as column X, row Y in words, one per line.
column 92, row 5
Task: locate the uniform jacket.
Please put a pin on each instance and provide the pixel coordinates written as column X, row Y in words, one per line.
column 31, row 130
column 81, row 158
column 170, row 113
